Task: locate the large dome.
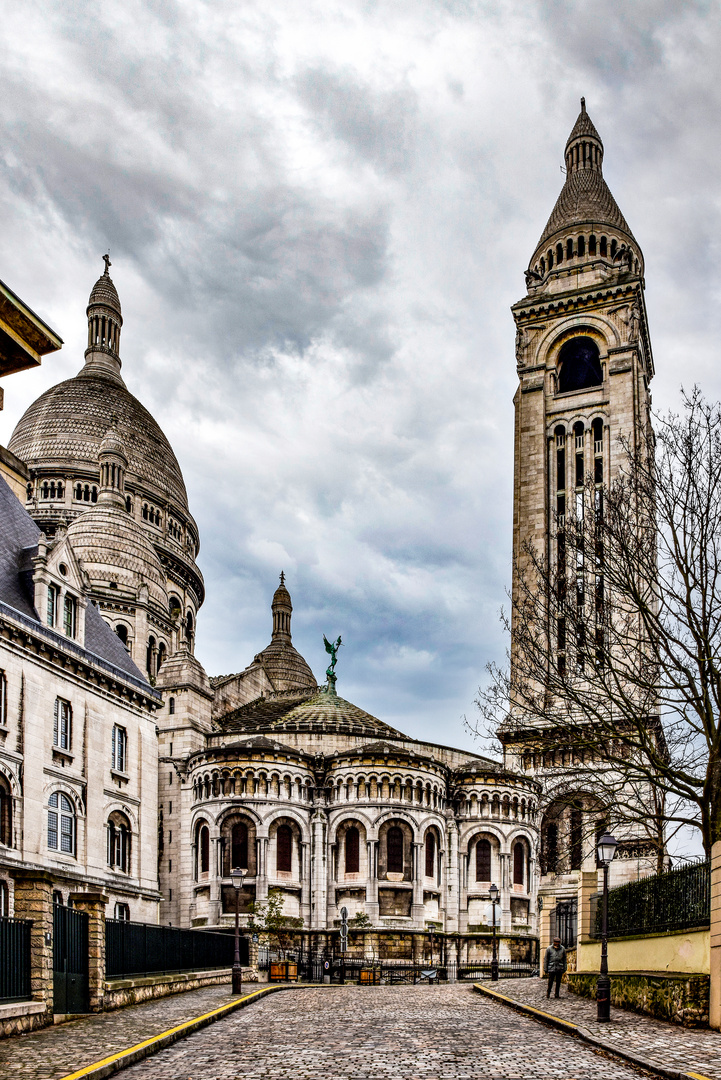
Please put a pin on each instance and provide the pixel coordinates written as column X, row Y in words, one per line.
column 68, row 423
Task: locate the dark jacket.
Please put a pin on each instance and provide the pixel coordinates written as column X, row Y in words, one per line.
column 555, row 960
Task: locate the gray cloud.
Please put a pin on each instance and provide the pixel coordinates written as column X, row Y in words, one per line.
column 318, row 219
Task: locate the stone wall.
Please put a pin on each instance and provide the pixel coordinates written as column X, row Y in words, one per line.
column 20, row 1016
column 122, row 992
column 677, row 996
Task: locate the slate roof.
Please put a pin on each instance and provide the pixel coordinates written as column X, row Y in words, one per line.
column 18, row 546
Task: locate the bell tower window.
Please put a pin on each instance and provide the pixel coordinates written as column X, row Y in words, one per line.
column 579, row 365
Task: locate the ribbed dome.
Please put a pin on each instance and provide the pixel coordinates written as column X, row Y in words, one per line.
column 322, row 712
column 113, row 546
column 67, row 424
column 104, row 292
column 284, row 666
column 585, row 199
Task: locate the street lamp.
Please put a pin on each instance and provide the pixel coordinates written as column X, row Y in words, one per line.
column 606, row 848
column 236, row 876
column 494, row 960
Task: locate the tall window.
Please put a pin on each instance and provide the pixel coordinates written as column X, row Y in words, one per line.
column 63, row 724
column 430, row 855
column 4, row 900
column 119, row 748
column 550, row 848
column 203, row 849
column 519, row 858
column 352, row 850
column 122, row 912
column 483, row 860
column 394, row 847
column 239, row 847
column 61, row 823
column 171, row 706
column 52, row 609
column 284, row 849
column 119, row 842
column 576, row 830
column 6, row 813
column 3, row 700
column 70, row 610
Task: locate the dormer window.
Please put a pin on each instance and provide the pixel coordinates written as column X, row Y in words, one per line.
column 70, row 611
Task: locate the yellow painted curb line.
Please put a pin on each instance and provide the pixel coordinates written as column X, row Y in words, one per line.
column 582, row 1033
column 107, row 1066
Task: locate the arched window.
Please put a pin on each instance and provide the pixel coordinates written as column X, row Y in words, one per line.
column 284, row 849
column 61, row 823
column 580, row 366
column 549, row 848
column 119, row 842
column 559, row 253
column 394, row 848
column 189, row 626
column 239, row 846
column 604, row 247
column 569, row 249
column 519, row 859
column 352, row 850
column 483, row 860
column 161, row 654
column 4, row 900
column 592, row 244
column 150, row 657
column 6, row 813
column 171, row 705
column 430, row 855
column 581, row 245
column 203, row 841
column 122, row 632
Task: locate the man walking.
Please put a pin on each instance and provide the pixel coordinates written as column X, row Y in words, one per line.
column 554, row 965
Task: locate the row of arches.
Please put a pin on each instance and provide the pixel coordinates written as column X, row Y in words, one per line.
column 496, row 806
column 388, row 787
column 103, row 332
column 220, row 784
column 581, row 246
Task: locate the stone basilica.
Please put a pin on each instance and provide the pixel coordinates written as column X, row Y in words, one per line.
column 126, row 770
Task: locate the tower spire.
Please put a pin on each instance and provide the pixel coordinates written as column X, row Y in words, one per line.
column 104, row 322
column 282, row 610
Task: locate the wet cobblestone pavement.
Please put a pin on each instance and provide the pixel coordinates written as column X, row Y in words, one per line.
column 57, row 1051
column 379, row 1033
column 686, row 1049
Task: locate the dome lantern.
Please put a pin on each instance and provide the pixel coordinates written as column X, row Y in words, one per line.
column 104, row 322
column 282, row 610
column 113, row 462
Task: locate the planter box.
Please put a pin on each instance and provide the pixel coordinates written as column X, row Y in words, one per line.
column 284, row 971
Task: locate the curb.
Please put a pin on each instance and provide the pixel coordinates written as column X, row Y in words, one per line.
column 584, row 1034
column 123, row 1058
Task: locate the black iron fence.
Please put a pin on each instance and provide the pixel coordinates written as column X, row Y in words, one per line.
column 14, row 959
column 371, row 971
column 564, row 923
column 676, row 900
column 147, row 949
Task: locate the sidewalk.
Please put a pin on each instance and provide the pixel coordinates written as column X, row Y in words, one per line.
column 58, row 1051
column 667, row 1048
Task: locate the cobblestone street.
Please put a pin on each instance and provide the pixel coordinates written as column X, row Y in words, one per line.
column 379, row 1033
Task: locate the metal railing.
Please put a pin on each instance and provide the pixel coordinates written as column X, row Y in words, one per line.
column 564, row 923
column 373, row 971
column 147, row 949
column 676, row 900
column 15, row 960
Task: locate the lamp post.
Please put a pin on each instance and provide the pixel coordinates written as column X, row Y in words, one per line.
column 430, row 942
column 606, row 848
column 494, row 959
column 236, row 876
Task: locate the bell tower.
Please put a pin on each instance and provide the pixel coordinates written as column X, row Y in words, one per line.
column 585, row 365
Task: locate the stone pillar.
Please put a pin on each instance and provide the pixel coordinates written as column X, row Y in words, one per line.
column 715, row 952
column 305, row 882
column 318, row 881
column 261, row 869
column 372, row 906
column 417, row 909
column 587, row 886
column 34, row 900
column 544, row 928
column 452, row 891
column 93, row 903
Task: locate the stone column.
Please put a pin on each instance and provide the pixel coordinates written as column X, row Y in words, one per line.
column 418, row 909
column 587, row 886
column 372, row 906
column 715, row 952
column 544, row 928
column 93, row 903
column 319, row 883
column 452, row 891
column 305, row 882
column 34, row 900
column 261, row 869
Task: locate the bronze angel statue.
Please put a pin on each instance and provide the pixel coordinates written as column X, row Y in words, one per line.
column 332, row 648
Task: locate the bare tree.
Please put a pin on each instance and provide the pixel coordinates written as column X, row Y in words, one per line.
column 615, row 654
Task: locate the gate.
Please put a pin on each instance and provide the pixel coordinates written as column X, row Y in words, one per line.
column 70, row 960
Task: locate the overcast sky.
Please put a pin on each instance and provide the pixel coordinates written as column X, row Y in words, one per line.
column 318, row 216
